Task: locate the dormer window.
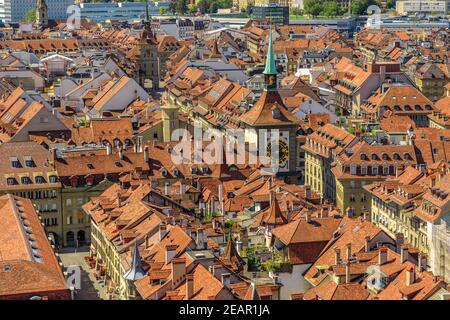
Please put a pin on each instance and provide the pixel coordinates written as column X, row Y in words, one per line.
column 276, row 114
column 205, row 169
column 385, row 156
column 39, row 179
column 407, row 107
column 396, row 156
column 374, row 156
column 15, row 162
column 29, row 163
column 11, row 181
column 164, row 173
column 406, row 156
column 363, row 156
column 53, row 179
column 25, row 180
column 194, row 170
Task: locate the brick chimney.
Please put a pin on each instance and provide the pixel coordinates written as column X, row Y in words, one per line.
column 422, row 262
column 337, row 255
column 171, row 251
column 410, row 276
column 347, row 272
column 189, row 286
column 178, row 271
column 162, row 230
column 307, row 192
column 404, row 254
column 146, row 154
column 348, row 247
column 367, row 244
column 382, row 256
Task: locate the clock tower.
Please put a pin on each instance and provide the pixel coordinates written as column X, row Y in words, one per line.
column 269, row 121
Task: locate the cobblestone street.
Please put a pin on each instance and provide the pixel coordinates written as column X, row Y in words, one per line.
column 90, row 289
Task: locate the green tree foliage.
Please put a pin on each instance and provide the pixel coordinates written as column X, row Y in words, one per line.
column 313, row 7
column 331, row 9
column 31, row 15
column 181, row 7
column 359, row 7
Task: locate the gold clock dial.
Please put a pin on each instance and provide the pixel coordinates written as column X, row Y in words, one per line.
column 282, row 150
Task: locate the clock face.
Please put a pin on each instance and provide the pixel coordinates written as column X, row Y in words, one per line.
column 282, row 152
column 271, row 80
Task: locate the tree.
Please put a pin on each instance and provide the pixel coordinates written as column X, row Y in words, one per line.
column 162, row 10
column 313, row 7
column 390, row 4
column 173, row 7
column 31, row 15
column 296, row 11
column 331, row 9
column 181, row 7
column 359, row 7
column 213, row 7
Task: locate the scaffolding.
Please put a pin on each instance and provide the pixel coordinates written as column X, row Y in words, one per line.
column 440, row 250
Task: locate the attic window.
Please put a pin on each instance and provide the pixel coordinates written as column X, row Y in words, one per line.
column 11, row 181
column 53, row 179
column 117, row 163
column 407, row 107
column 25, row 180
column 90, row 166
column 39, row 179
column 15, row 162
column 276, row 114
column 29, row 163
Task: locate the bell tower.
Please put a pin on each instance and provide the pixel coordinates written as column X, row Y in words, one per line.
column 41, row 14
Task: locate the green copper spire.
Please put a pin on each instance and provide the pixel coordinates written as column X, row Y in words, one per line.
column 270, row 72
column 270, row 60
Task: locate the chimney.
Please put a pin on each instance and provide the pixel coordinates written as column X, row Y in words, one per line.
column 399, row 240
column 166, row 189
column 337, row 255
column 404, row 254
column 422, row 262
column 307, row 192
column 382, row 256
column 201, row 240
column 272, row 197
column 171, row 251
column 308, row 216
column 178, row 271
column 324, row 212
column 238, row 246
column 367, row 243
column 162, row 231
column 146, row 154
column 226, row 279
column 349, row 212
column 349, row 251
column 147, row 241
column 108, row 149
column 347, row 272
column 410, row 276
column 181, row 188
column 189, row 286
column 289, row 217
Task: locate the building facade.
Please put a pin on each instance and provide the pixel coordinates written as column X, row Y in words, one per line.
column 16, row 11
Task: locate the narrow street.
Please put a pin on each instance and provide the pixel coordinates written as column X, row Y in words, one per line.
column 90, row 289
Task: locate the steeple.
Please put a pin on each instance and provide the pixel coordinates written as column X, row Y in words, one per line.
column 136, row 272
column 41, row 13
column 270, row 71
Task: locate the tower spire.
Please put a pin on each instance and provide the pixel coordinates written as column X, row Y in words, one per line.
column 270, row 70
